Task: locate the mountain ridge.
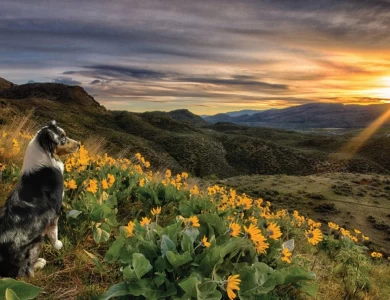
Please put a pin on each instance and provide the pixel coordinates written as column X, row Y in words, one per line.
column 179, row 140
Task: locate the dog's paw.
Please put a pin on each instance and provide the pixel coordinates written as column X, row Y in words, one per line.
column 58, row 245
column 40, row 264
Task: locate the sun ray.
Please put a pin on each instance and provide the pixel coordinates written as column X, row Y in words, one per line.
column 354, row 144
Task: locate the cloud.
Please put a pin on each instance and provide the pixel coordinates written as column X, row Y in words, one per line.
column 202, row 52
column 66, row 80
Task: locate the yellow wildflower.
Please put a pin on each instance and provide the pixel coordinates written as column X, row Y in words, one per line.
column 194, row 190
column 142, row 182
column 314, row 236
column 168, row 173
column 138, row 156
column 156, row 211
column 333, row 226
column 205, row 243
column 111, row 180
column 234, row 229
column 145, row 221
column 232, row 284
column 254, row 233
column 192, row 221
column 286, row 254
column 104, row 184
column 92, row 186
column 130, row 229
column 71, row 184
column 274, row 231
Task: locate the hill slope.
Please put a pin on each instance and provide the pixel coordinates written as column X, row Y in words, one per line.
column 182, row 141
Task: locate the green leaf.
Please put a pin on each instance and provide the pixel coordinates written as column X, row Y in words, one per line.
column 189, row 285
column 234, row 244
column 10, row 295
column 114, row 252
column 310, row 289
column 120, row 289
column 146, row 288
column 192, row 233
column 129, row 274
column 167, row 245
column 178, row 260
column 141, row 265
column 258, row 279
column 208, row 291
column 159, row 279
column 295, row 274
column 187, row 244
column 100, row 235
column 22, row 290
column 73, row 214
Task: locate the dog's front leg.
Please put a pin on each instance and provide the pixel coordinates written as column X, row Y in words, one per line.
column 52, row 233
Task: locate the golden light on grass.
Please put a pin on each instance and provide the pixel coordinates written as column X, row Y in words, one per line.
column 353, row 146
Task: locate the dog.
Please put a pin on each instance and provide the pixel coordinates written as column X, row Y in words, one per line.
column 33, row 207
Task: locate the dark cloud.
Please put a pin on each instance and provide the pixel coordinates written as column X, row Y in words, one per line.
column 96, row 81
column 66, row 80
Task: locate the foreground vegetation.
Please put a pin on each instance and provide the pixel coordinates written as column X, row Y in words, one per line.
column 135, row 233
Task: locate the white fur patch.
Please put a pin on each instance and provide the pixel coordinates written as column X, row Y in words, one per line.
column 58, row 245
column 36, row 158
column 40, row 264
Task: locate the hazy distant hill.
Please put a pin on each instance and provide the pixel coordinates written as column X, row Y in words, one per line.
column 181, row 140
column 229, row 116
column 312, row 115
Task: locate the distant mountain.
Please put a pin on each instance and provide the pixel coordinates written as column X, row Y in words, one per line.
column 312, row 115
column 224, row 117
column 182, row 141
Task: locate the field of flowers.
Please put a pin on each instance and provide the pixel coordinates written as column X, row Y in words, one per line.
column 155, row 235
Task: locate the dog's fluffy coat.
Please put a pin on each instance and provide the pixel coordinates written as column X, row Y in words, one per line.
column 33, row 207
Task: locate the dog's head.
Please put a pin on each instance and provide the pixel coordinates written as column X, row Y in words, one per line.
column 53, row 140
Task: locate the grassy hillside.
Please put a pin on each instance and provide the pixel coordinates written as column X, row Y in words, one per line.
column 181, row 141
column 129, row 230
column 349, row 199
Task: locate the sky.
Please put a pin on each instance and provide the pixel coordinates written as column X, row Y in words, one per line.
column 205, row 56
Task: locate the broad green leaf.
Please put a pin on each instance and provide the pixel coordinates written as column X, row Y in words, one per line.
column 159, row 279
column 167, row 245
column 192, row 233
column 296, row 273
column 23, row 290
column 309, row 288
column 187, row 244
column 258, row 279
column 141, row 265
column 146, row 288
column 189, row 285
column 129, row 274
column 10, row 295
column 120, row 289
column 100, row 235
column 114, row 252
column 73, row 214
column 178, row 260
column 208, row 291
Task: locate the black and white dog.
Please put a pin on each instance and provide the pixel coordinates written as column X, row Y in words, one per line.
column 33, row 207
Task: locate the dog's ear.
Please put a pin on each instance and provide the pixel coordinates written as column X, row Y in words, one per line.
column 52, row 123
